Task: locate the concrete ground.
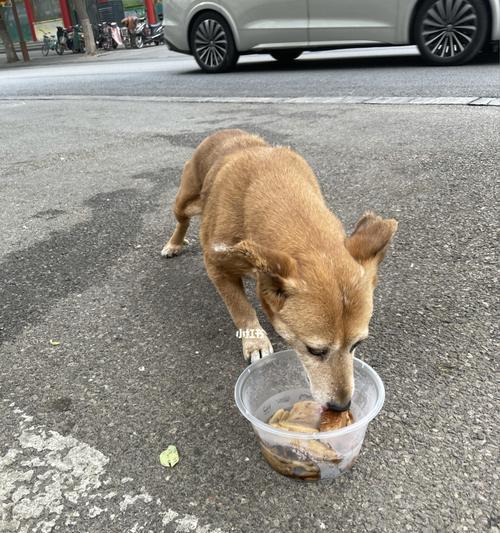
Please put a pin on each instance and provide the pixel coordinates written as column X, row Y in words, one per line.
column 147, row 354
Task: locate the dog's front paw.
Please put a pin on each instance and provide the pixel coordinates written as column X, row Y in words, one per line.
column 171, row 250
column 255, row 348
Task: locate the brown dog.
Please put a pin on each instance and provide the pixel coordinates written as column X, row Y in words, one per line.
column 263, row 215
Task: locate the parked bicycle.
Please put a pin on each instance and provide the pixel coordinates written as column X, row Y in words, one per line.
column 71, row 38
column 108, row 35
column 49, row 43
column 63, row 41
column 115, row 34
column 104, row 39
column 78, row 39
column 126, row 36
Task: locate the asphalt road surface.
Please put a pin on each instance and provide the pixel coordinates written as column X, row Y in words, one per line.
column 397, row 71
column 110, row 353
column 147, row 354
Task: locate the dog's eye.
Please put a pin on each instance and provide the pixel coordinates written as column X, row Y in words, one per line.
column 318, row 352
column 355, row 345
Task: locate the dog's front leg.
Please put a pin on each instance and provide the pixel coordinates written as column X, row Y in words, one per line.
column 256, row 343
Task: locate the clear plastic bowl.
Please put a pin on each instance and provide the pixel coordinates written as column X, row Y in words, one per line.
column 279, row 381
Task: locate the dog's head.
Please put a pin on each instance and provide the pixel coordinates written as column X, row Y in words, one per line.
column 321, row 304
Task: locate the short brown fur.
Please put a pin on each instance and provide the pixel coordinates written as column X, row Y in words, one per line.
column 263, row 215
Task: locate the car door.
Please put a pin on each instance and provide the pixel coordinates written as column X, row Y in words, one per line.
column 270, row 23
column 352, row 20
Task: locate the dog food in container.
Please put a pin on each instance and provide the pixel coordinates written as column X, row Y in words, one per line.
column 278, row 382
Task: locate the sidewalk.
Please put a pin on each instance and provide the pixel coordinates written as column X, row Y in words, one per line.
column 37, row 59
column 147, row 53
column 30, row 44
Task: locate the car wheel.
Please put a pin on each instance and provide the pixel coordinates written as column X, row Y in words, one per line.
column 451, row 32
column 212, row 43
column 286, row 56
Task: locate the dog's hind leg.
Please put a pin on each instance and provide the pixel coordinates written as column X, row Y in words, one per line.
column 187, row 204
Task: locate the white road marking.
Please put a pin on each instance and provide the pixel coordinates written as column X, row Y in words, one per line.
column 320, row 100
column 130, row 500
column 168, row 516
column 186, row 524
column 48, row 480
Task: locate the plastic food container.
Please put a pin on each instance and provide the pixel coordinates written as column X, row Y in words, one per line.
column 279, row 381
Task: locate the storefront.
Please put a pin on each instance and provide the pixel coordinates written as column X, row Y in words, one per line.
column 43, row 16
column 23, row 8
column 39, row 16
column 137, row 7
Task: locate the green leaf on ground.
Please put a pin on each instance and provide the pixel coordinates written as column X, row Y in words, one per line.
column 170, row 456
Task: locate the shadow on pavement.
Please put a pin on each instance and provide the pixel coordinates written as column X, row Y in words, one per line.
column 305, row 63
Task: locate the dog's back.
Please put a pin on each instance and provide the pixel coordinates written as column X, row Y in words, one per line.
column 252, row 188
column 210, row 155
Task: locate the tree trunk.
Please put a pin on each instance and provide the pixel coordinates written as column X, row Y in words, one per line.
column 90, row 46
column 7, row 41
column 83, row 17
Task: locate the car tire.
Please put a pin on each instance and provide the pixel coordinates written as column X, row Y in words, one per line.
column 451, row 32
column 286, row 56
column 212, row 43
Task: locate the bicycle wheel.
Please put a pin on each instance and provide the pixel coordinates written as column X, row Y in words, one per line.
column 45, row 49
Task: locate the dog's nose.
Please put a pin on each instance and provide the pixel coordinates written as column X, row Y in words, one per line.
column 336, row 407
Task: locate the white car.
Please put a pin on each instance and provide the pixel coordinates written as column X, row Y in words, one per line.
column 447, row 32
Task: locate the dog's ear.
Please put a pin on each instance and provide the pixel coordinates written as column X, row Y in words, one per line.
column 371, row 238
column 278, row 270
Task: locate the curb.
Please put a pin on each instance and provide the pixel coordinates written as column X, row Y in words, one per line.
column 335, row 100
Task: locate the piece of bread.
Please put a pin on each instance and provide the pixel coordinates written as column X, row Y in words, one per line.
column 304, row 417
column 331, row 420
